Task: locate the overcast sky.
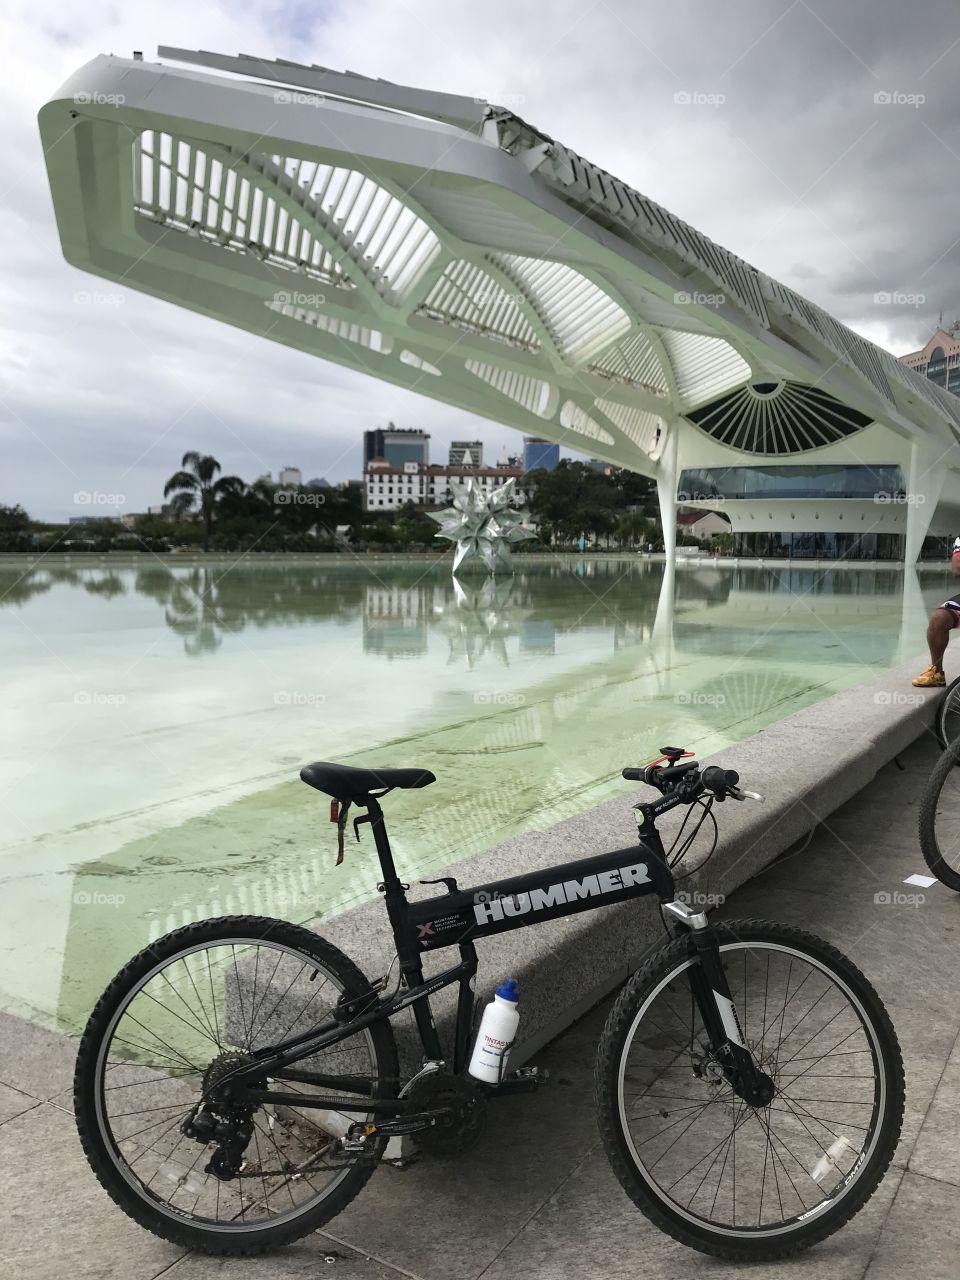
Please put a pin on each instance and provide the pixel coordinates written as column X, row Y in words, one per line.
column 785, row 155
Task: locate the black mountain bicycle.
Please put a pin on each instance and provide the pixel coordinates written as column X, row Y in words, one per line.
column 238, row 1081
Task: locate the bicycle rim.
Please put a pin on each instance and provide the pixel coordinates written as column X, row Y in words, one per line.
column 189, row 1016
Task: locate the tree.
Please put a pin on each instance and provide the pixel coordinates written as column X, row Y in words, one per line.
column 15, row 529
column 632, row 527
column 198, row 483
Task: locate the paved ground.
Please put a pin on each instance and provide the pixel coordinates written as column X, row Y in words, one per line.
column 536, row 1198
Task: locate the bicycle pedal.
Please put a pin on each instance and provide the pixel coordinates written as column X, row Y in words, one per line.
column 523, row 1080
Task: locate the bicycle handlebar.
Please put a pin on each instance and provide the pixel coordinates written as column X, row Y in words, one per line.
column 694, row 781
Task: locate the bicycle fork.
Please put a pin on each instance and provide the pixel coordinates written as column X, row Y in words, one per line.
column 711, row 991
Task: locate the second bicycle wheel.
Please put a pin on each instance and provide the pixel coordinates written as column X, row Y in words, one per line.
column 730, row 1179
column 940, row 818
column 948, row 713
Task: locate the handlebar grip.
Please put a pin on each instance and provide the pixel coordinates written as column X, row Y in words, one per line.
column 632, row 775
column 719, row 780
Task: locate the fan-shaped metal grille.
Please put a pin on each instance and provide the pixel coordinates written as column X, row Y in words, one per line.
column 778, row 417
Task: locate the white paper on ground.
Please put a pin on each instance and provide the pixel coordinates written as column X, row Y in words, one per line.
column 923, row 881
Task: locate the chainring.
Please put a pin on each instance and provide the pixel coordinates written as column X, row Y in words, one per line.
column 454, row 1134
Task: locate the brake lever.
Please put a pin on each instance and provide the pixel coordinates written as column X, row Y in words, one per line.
column 738, row 793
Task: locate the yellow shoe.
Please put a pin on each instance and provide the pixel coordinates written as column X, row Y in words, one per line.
column 930, row 679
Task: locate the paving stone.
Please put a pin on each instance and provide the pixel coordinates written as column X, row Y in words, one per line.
column 35, row 1060
column 13, row 1102
column 921, row 1236
column 57, row 1220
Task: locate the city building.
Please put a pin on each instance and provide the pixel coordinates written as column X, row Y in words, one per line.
column 396, row 445
column 584, row 312
column 702, row 524
column 290, row 475
column 939, row 360
column 389, row 488
column 540, row 455
column 466, row 453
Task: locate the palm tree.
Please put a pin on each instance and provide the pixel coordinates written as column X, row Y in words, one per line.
column 198, row 480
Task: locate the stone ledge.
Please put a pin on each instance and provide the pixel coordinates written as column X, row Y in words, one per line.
column 805, row 765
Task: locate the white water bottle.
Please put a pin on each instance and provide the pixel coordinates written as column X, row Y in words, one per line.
column 498, row 1030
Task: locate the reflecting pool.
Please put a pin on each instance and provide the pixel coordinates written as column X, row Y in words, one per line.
column 156, row 714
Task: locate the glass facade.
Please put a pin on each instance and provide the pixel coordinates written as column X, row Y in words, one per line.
column 540, row 455
column 815, row 480
column 820, row 546
column 944, row 372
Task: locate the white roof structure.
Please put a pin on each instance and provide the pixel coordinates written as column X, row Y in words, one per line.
column 443, row 244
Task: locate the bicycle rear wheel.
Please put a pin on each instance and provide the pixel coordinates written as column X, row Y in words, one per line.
column 181, row 1015
column 742, row 1182
column 940, row 818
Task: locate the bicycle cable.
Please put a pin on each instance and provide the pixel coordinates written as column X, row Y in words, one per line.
column 706, row 804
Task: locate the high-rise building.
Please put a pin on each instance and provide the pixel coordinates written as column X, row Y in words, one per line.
column 396, row 445
column 466, row 453
column 540, row 455
column 290, row 475
column 939, row 360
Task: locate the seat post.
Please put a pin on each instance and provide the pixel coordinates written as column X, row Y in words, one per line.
column 378, row 822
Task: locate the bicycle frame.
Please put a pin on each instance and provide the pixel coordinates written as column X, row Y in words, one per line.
column 459, row 918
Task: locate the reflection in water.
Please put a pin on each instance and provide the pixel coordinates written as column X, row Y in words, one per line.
column 174, row 702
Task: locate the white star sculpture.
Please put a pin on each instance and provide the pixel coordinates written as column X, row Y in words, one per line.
column 482, row 525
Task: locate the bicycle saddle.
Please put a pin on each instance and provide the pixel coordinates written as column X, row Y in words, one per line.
column 344, row 782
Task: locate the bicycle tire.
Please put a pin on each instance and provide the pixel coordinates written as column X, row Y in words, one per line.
column 929, row 844
column 102, row 1150
column 745, row 1245
column 948, row 705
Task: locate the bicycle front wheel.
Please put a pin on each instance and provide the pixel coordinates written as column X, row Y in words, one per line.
column 180, row 1017
column 948, row 713
column 940, row 818
column 716, row 1173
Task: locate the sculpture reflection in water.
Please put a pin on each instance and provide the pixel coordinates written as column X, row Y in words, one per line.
column 483, row 619
column 482, row 525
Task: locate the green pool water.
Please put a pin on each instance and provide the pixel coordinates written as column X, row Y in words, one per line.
column 156, row 714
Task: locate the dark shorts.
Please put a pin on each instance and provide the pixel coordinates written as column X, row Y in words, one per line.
column 953, row 608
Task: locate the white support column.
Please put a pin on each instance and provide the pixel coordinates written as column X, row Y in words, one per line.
column 667, row 490
column 924, row 486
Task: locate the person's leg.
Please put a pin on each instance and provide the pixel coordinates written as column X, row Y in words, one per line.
column 939, row 627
